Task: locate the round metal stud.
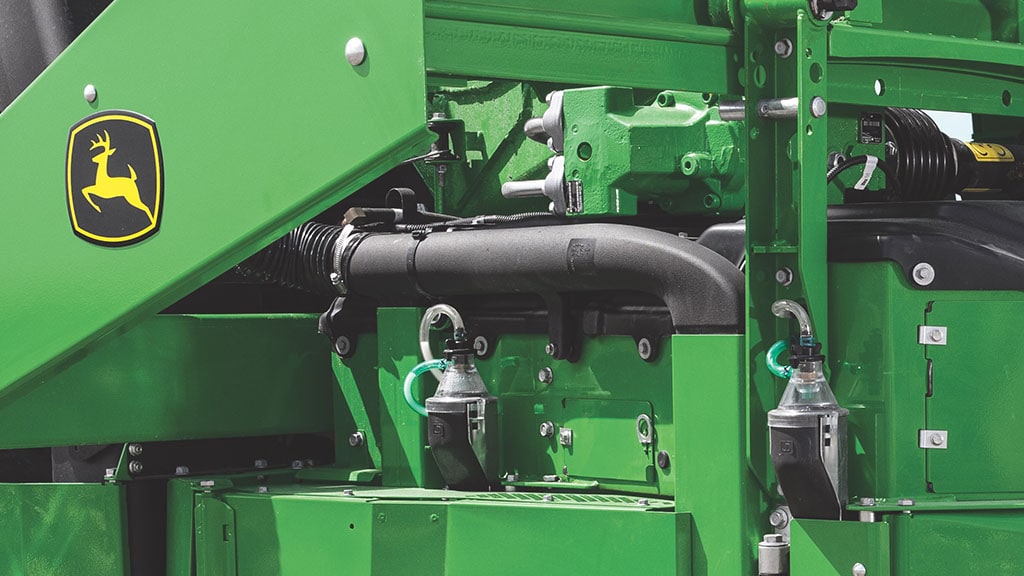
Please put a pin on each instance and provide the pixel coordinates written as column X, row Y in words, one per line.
column 546, row 375
column 859, row 570
column 355, row 51
column 818, row 107
column 89, row 93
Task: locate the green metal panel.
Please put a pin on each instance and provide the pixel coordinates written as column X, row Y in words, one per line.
column 558, row 539
column 182, row 377
column 605, row 443
column 320, row 530
column 976, row 398
column 827, row 548
column 259, row 132
column 987, row 543
column 405, row 456
column 713, row 481
column 63, row 529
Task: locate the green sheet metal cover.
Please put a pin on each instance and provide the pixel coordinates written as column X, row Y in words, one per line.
column 262, row 123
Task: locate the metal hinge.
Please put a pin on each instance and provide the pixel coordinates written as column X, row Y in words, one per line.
column 932, row 439
column 931, row 335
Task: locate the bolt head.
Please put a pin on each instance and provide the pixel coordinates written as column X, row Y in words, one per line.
column 547, row 429
column 551, row 349
column 181, row 471
column 546, row 375
column 89, row 93
column 935, row 336
column 548, row 498
column 778, row 518
column 773, row 539
column 784, row 276
column 923, row 274
column 355, row 51
column 867, row 501
column 935, row 439
column 644, row 348
column 664, row 460
column 262, row 489
column 342, row 345
column 784, row 48
column 260, row 464
column 297, row 465
column 818, row 107
column 135, row 467
column 135, row 449
column 565, row 437
column 643, row 502
column 859, row 570
column 356, row 439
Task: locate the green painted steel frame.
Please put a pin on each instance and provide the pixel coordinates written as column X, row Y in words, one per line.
column 258, row 134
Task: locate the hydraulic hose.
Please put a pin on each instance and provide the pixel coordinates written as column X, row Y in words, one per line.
column 772, row 360
column 411, row 377
column 457, row 325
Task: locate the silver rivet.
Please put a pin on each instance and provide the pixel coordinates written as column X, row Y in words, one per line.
column 355, row 51
column 935, row 439
column 643, row 347
column 784, row 48
column 859, row 569
column 546, row 375
column 548, row 498
column 89, row 93
column 923, row 274
column 935, row 335
column 818, row 107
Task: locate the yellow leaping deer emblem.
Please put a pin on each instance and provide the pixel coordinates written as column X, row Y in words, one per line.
column 108, row 186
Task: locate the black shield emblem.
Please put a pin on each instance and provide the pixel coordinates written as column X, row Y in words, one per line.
column 115, row 180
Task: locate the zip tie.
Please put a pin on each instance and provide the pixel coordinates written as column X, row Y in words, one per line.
column 869, row 170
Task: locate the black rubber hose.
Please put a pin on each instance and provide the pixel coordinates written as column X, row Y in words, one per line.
column 924, row 157
column 702, row 290
column 301, row 259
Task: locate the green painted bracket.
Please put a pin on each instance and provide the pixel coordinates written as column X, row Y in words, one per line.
column 259, row 131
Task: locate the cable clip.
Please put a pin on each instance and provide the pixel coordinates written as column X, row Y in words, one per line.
column 870, row 164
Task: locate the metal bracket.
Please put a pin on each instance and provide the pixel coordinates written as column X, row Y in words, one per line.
column 931, row 335
column 644, row 430
column 933, row 439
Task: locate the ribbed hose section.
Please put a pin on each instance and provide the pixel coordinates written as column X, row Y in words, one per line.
column 301, row 259
column 923, row 156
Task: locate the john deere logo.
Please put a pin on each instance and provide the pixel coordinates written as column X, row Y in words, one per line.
column 114, row 178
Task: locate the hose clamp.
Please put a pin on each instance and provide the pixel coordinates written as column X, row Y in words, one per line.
column 343, row 246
